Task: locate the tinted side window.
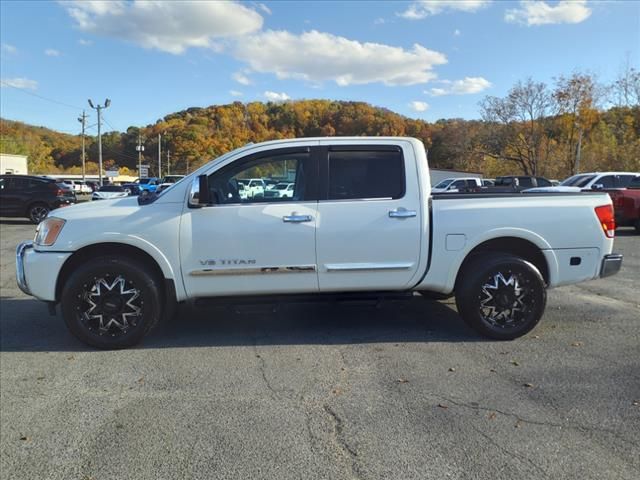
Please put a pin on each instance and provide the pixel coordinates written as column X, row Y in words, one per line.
column 624, row 180
column 635, row 182
column 606, row 182
column 366, row 174
column 230, row 185
column 543, row 182
column 525, row 182
column 459, row 184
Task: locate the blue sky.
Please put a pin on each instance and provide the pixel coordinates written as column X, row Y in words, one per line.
column 425, row 59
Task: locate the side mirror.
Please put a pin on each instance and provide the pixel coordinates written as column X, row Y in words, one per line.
column 597, row 186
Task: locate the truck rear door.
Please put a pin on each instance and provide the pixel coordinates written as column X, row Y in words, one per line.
column 368, row 233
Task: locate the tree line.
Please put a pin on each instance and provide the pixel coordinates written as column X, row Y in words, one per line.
column 576, row 124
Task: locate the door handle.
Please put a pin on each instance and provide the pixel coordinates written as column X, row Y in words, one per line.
column 297, row 218
column 402, row 213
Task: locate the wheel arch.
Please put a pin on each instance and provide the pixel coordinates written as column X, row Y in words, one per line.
column 512, row 245
column 121, row 249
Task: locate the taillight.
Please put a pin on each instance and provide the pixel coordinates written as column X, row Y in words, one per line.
column 607, row 220
column 57, row 191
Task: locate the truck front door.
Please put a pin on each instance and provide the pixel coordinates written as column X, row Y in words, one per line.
column 253, row 245
column 369, row 218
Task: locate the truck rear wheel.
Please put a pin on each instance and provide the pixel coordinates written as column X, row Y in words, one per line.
column 501, row 296
column 111, row 302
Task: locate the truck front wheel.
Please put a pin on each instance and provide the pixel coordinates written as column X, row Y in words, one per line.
column 501, row 296
column 111, row 302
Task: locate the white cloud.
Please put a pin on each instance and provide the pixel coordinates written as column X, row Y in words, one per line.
column 8, row 48
column 264, row 8
column 170, row 27
column 235, row 93
column 52, row 52
column 276, row 97
column 457, row 33
column 19, row 82
column 379, row 21
column 84, row 42
column 316, row 57
column 541, row 13
column 241, row 78
column 418, row 106
column 426, row 8
column 466, row 86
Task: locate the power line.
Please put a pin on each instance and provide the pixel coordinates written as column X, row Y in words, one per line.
column 40, row 96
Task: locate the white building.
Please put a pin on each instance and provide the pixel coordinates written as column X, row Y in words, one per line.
column 14, row 164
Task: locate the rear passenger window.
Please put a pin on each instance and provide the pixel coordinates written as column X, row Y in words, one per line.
column 543, row 182
column 525, row 182
column 624, row 180
column 365, row 174
column 606, row 182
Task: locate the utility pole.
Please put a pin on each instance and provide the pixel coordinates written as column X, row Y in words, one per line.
column 99, row 108
column 578, row 151
column 139, row 149
column 187, row 165
column 168, row 162
column 160, row 156
column 83, row 120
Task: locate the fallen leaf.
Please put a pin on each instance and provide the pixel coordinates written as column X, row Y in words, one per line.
column 536, row 336
column 452, row 369
column 636, row 403
column 492, row 416
column 442, row 405
column 257, row 356
column 71, row 357
column 25, row 438
column 40, row 378
column 342, row 368
column 528, row 385
column 402, row 380
column 515, row 363
column 493, row 370
column 336, row 391
column 577, row 344
column 518, row 424
column 141, row 380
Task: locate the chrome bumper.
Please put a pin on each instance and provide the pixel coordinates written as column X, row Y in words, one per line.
column 610, row 264
column 20, row 276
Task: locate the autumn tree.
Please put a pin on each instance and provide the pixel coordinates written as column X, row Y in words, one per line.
column 519, row 125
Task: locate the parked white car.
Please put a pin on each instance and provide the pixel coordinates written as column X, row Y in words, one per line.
column 455, row 185
column 591, row 181
column 108, row 192
column 371, row 229
column 284, row 190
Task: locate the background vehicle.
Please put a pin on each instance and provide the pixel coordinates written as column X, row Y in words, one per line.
column 32, row 197
column 364, row 224
column 131, row 188
column 626, row 203
column 107, row 192
column 148, row 184
column 598, row 181
column 254, row 187
column 280, row 190
column 455, row 185
column 518, row 183
column 167, row 181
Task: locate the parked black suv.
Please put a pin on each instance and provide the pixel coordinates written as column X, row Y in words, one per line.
column 32, row 197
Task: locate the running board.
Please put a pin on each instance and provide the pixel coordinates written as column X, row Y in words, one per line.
column 374, row 298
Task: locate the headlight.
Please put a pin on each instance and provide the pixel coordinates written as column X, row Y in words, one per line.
column 48, row 231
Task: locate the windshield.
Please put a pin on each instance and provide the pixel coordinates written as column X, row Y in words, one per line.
column 144, row 181
column 444, row 183
column 578, row 180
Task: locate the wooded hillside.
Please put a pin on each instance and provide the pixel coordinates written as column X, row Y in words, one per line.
column 532, row 130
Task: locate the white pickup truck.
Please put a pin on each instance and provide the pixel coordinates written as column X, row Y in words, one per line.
column 361, row 221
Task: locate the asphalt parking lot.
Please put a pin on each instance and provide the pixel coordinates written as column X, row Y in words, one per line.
column 404, row 391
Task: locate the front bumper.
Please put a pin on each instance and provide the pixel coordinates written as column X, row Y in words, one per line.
column 21, row 278
column 610, row 264
column 37, row 272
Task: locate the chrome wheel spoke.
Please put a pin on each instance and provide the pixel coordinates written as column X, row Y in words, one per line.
column 503, row 300
column 113, row 307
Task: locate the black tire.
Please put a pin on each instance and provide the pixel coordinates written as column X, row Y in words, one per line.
column 38, row 212
column 132, row 307
column 501, row 296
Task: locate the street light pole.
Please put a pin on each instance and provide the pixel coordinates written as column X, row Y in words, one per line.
column 159, row 155
column 140, row 149
column 99, row 108
column 83, row 120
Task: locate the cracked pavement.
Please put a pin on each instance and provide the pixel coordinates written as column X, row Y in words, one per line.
column 404, row 391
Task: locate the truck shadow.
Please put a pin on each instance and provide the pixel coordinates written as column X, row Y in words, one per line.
column 26, row 326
